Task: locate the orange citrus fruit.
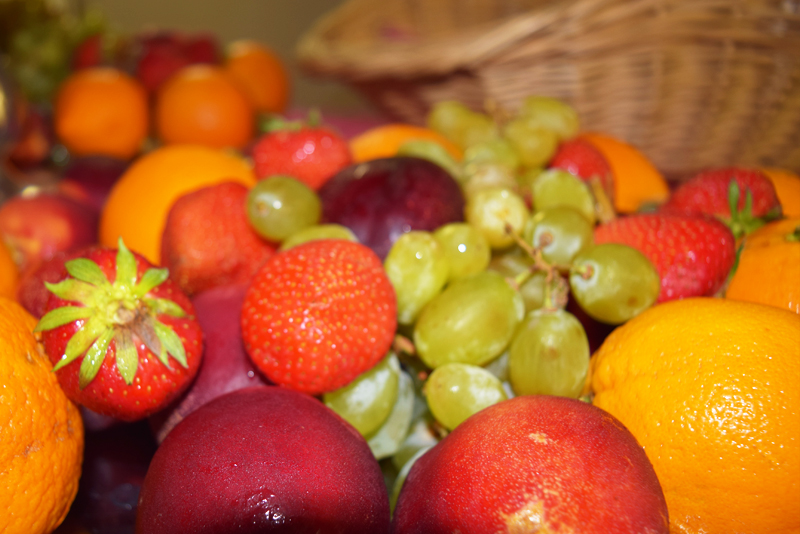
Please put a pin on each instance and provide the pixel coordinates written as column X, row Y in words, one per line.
column 261, row 74
column 41, row 432
column 637, row 182
column 384, row 141
column 202, row 104
column 768, row 270
column 102, row 111
column 137, row 206
column 787, row 187
column 709, row 388
column 9, row 274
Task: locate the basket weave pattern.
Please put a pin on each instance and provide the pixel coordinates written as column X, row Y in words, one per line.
column 693, row 83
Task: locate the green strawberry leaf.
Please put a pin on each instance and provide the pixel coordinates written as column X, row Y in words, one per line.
column 127, row 356
column 61, row 316
column 151, row 279
column 73, row 290
column 83, row 338
column 87, row 271
column 165, row 307
column 91, row 363
column 126, row 268
column 171, row 342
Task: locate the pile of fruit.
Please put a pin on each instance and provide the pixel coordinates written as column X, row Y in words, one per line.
column 216, row 318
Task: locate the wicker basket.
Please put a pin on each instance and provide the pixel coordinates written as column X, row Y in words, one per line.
column 693, row 83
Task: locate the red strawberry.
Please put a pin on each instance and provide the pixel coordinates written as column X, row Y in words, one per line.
column 319, row 314
column 579, row 157
column 122, row 337
column 692, row 254
column 742, row 198
column 307, row 151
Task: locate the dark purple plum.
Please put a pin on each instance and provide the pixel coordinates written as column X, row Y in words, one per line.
column 264, row 459
column 382, row 199
column 225, row 366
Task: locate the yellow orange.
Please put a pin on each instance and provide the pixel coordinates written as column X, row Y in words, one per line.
column 202, row 104
column 9, row 273
column 384, row 141
column 787, row 186
column 261, row 74
column 637, row 182
column 137, row 206
column 102, row 111
column 768, row 270
column 41, row 432
column 708, row 386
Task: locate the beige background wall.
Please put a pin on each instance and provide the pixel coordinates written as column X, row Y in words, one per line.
column 277, row 23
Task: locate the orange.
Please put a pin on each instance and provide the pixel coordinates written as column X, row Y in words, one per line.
column 202, row 104
column 41, row 432
column 768, row 270
column 102, row 111
column 384, row 141
column 709, row 388
column 637, row 182
column 261, row 74
column 787, row 186
column 9, row 274
column 137, row 206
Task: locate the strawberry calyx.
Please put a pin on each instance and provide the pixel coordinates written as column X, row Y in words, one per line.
column 275, row 123
column 742, row 221
column 122, row 311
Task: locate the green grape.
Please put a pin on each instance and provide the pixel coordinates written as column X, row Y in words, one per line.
column 551, row 114
column 471, row 321
column 493, row 211
column 534, row 146
column 479, row 176
column 478, row 128
column 280, row 206
column 549, row 355
column 496, row 151
column 456, row 391
column 613, row 282
column 465, row 248
column 560, row 233
column 555, row 187
column 418, row 269
column 431, row 151
column 402, row 475
column 387, row 439
column 318, row 231
column 448, row 117
column 512, row 264
column 367, row 401
column 499, row 367
column 420, row 436
column 525, row 181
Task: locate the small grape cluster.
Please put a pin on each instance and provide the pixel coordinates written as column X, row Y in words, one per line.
column 481, row 304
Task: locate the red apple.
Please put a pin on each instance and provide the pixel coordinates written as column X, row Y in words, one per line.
column 533, row 464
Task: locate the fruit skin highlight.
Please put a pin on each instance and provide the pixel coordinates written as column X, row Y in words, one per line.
column 709, row 388
column 533, row 464
column 263, row 459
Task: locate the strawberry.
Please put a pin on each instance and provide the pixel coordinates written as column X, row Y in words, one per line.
column 579, row 157
column 111, row 327
column 744, row 199
column 318, row 315
column 308, row 151
column 693, row 254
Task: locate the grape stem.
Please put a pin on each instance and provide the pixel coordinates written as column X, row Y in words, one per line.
column 603, row 207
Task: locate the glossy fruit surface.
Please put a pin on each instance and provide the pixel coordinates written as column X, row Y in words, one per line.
column 41, row 431
column 787, row 187
column 137, row 206
column 263, row 459
column 540, row 467
column 381, row 199
column 706, row 386
column 768, row 268
column 102, row 111
column 201, row 104
column 261, row 74
column 279, row 206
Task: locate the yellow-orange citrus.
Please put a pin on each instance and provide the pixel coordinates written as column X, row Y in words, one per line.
column 202, row 104
column 768, row 270
column 9, row 274
column 137, row 207
column 709, row 388
column 384, row 141
column 637, row 182
column 41, row 432
column 102, row 111
column 260, row 73
column 787, row 187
